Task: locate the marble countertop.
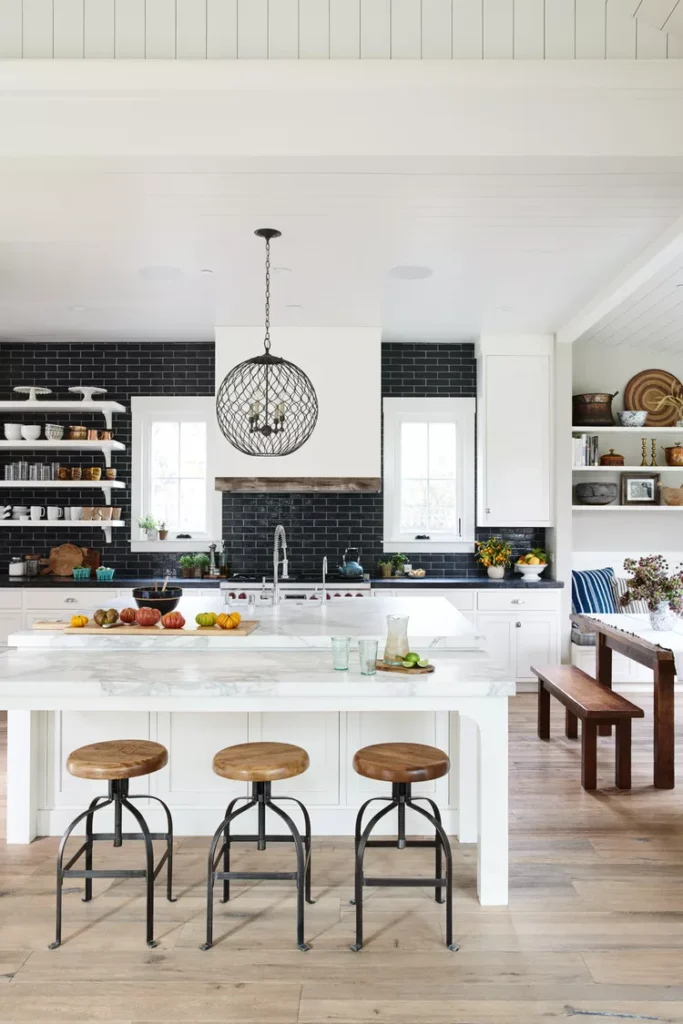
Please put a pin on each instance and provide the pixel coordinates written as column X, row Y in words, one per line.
column 432, row 621
column 266, row 681
column 122, row 582
column 513, row 581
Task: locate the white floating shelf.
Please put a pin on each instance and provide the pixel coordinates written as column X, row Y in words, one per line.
column 73, row 524
column 117, row 485
column 74, row 405
column 627, row 508
column 627, row 469
column 53, row 446
column 636, row 431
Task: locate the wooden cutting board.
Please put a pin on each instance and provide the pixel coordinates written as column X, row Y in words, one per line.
column 244, row 629
column 381, row 667
column 64, row 558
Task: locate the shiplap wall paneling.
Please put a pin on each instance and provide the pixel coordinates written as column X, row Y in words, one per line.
column 650, row 42
column 590, row 30
column 99, row 19
column 37, row 28
column 10, row 28
column 406, row 29
column 160, row 29
column 283, row 29
column 437, row 29
column 345, row 28
column 559, row 28
column 498, row 29
column 620, row 30
column 468, row 29
column 252, row 29
column 68, row 28
column 375, row 29
column 221, row 29
column 191, row 29
column 129, row 29
column 314, row 29
column 529, row 29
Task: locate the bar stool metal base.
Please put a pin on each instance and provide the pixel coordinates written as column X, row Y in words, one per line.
column 120, row 797
column 261, row 798
column 401, row 797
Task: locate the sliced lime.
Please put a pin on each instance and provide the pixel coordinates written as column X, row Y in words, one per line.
column 408, row 664
column 423, row 663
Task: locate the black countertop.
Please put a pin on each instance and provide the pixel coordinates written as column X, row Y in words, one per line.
column 394, row 582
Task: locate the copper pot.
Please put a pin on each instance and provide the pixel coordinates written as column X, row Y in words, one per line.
column 674, row 454
column 611, row 459
column 593, row 410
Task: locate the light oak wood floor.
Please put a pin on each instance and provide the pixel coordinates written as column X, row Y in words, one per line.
column 594, row 929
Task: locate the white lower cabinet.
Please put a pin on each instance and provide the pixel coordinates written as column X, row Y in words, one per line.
column 10, row 622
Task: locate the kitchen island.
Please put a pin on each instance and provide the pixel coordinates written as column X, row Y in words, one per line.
column 196, row 700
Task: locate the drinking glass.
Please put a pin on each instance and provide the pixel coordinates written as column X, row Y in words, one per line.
column 367, row 655
column 340, row 652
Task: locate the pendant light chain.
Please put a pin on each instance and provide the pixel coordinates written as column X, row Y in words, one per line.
column 266, row 340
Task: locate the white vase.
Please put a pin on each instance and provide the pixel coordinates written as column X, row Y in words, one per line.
column 496, row 572
column 152, row 534
column 663, row 618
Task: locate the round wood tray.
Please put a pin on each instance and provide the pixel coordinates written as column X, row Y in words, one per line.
column 381, row 667
column 645, row 391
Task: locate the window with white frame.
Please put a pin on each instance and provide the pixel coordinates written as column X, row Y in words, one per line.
column 172, row 478
column 429, row 474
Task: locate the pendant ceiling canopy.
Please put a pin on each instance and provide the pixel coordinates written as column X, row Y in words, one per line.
column 266, row 405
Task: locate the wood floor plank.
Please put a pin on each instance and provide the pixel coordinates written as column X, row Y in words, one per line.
column 659, row 966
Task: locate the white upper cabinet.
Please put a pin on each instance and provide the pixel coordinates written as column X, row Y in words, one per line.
column 514, row 431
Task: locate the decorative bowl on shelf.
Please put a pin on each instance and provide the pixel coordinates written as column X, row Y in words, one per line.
column 163, row 600
column 596, row 493
column 531, row 573
column 87, row 392
column 81, row 573
column 633, row 418
column 54, row 432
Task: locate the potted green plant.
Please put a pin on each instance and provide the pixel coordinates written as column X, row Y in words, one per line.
column 188, row 565
column 398, row 561
column 202, row 563
column 494, row 554
column 651, row 582
column 150, row 526
column 163, row 532
column 385, row 569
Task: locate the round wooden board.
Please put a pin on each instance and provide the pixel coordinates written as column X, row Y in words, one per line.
column 64, row 558
column 646, row 389
column 381, row 667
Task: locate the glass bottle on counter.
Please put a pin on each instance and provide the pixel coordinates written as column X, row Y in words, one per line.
column 224, row 564
column 396, row 646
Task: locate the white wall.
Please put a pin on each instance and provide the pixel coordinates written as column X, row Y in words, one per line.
column 344, row 365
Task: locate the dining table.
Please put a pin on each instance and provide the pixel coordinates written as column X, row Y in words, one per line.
column 634, row 638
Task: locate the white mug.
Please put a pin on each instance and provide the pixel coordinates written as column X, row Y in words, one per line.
column 76, row 511
column 54, row 512
column 37, row 512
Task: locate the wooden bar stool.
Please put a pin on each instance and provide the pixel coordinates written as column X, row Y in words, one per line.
column 116, row 761
column 261, row 764
column 402, row 764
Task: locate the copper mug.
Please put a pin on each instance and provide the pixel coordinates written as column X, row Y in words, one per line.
column 104, row 512
column 88, row 512
column 93, row 435
column 106, row 435
column 115, row 512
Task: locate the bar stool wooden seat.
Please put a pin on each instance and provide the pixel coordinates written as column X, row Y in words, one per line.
column 261, row 764
column 403, row 764
column 116, row 762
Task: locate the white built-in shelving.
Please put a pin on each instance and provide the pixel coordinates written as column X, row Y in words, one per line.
column 627, row 469
column 105, row 408
column 636, row 431
column 627, row 508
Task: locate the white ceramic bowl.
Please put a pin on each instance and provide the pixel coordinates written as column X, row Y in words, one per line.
column 13, row 431
column 31, row 431
column 632, row 418
column 531, row 573
column 54, row 432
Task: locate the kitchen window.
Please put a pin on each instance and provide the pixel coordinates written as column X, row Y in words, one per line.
column 429, row 474
column 172, row 479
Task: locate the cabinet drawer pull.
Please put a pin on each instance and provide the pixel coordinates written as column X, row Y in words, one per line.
column 69, row 600
column 517, row 600
column 518, row 625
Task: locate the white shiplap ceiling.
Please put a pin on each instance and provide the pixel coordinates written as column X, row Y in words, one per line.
column 338, row 29
column 508, row 251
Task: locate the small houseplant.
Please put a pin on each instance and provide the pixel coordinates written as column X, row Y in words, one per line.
column 202, row 563
column 150, row 525
column 652, row 583
column 495, row 555
column 163, row 532
column 188, row 565
column 397, row 562
column 385, row 569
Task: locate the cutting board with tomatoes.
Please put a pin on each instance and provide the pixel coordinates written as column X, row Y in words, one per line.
column 244, row 629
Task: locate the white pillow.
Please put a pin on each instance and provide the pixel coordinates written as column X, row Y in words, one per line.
column 619, row 587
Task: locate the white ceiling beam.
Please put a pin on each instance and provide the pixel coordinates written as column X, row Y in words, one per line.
column 650, row 262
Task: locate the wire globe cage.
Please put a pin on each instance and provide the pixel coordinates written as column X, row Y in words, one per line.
column 267, row 406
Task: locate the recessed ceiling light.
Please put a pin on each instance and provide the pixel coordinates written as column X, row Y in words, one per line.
column 293, row 305
column 78, row 309
column 160, row 273
column 282, row 270
column 408, row 272
column 206, row 272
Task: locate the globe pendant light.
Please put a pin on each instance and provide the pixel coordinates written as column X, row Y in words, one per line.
column 266, row 405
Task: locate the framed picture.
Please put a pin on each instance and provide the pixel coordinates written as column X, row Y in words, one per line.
column 640, row 489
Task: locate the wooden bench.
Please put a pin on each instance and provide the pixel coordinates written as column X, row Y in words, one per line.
column 594, row 704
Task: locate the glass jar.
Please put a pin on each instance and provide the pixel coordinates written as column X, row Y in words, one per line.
column 396, row 646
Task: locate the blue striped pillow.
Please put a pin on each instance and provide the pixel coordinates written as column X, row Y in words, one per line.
column 592, row 592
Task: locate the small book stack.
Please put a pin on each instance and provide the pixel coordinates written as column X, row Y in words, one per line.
column 586, row 450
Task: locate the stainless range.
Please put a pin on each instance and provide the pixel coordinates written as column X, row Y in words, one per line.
column 259, row 589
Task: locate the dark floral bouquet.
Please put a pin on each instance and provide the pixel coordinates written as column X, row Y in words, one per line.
column 652, row 583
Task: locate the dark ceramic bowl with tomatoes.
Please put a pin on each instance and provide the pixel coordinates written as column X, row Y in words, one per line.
column 163, row 600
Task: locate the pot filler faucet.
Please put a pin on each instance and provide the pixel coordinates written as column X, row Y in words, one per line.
column 279, row 540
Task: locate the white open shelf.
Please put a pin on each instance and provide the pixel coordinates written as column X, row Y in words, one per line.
column 106, row 447
column 73, row 524
column 627, row 469
column 627, row 508
column 636, row 431
column 116, row 485
column 75, row 405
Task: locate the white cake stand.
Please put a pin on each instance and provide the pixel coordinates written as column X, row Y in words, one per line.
column 32, row 392
column 87, row 392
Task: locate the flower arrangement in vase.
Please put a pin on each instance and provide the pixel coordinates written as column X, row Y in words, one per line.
column 495, row 554
column 651, row 582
